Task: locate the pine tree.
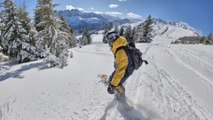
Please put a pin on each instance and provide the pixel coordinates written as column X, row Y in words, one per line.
column 86, row 37
column 66, row 28
column 2, row 56
column 52, row 41
column 210, row 37
column 14, row 34
column 116, row 29
column 110, row 26
column 38, row 15
column 143, row 32
column 104, row 35
column 147, row 29
column 128, row 34
column 27, row 50
column 121, row 33
column 4, row 20
column 1, row 27
column 133, row 34
column 138, row 33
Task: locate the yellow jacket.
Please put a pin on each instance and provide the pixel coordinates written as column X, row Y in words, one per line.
column 121, row 60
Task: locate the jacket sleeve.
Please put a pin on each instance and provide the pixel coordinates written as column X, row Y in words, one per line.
column 121, row 60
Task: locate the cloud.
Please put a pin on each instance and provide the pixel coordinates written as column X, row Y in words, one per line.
column 133, row 15
column 70, row 7
column 116, row 14
column 113, row 5
column 81, row 9
column 122, row 0
column 98, row 12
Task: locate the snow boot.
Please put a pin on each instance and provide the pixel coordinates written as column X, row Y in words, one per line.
column 120, row 92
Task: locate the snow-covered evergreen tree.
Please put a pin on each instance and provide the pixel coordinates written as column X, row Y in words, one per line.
column 210, row 36
column 138, row 33
column 15, row 35
column 147, row 29
column 5, row 14
column 1, row 26
column 104, row 35
column 128, row 34
column 144, row 31
column 51, row 39
column 138, row 36
column 86, row 37
column 116, row 28
column 3, row 57
column 133, row 34
column 38, row 16
column 121, row 32
column 28, row 24
column 66, row 28
column 27, row 50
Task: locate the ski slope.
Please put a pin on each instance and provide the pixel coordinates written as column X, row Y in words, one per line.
column 176, row 85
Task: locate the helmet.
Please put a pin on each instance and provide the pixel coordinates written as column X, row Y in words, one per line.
column 112, row 36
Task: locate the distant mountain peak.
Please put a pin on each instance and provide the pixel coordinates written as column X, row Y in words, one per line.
column 180, row 24
column 93, row 21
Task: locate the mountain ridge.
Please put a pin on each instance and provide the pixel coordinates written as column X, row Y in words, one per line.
column 77, row 20
column 94, row 22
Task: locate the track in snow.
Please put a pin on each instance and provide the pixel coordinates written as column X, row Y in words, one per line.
column 165, row 91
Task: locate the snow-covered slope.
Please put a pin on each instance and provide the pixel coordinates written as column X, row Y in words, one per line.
column 166, row 32
column 176, row 85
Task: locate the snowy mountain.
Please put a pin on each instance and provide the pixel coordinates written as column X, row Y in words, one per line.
column 178, row 24
column 79, row 19
column 177, row 84
column 171, row 31
column 166, row 32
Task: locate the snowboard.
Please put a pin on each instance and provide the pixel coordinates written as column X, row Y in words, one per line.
column 121, row 99
column 128, row 109
column 103, row 78
column 125, row 106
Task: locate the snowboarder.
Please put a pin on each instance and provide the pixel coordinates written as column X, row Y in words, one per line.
column 123, row 63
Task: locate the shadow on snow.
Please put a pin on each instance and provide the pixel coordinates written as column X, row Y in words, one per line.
column 17, row 73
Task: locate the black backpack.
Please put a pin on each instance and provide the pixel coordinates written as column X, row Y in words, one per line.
column 135, row 54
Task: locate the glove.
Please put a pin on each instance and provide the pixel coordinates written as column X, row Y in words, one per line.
column 110, row 89
column 146, row 62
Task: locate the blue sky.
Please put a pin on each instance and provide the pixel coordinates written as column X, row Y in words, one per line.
column 197, row 13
